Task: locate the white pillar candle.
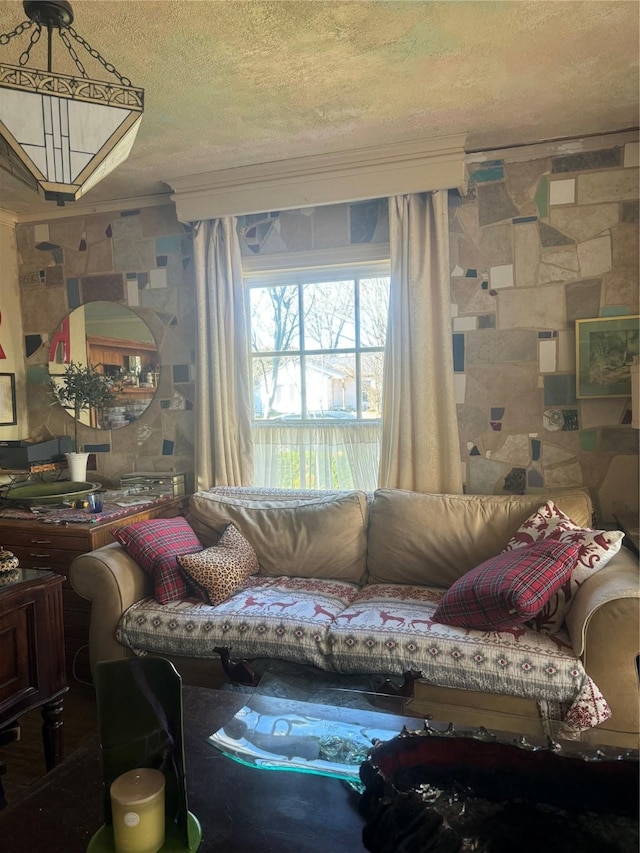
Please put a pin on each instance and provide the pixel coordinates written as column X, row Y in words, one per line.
column 137, row 806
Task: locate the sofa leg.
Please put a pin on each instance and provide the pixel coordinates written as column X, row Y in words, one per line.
column 239, row 672
column 406, row 688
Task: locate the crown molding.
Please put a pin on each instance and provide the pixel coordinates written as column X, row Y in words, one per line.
column 85, row 209
column 7, row 217
column 354, row 175
column 554, row 147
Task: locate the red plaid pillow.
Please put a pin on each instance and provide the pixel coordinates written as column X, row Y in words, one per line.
column 595, row 549
column 155, row 546
column 507, row 589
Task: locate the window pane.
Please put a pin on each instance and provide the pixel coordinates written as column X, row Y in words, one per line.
column 318, row 353
column 371, row 365
column 331, row 386
column 374, row 307
column 276, row 386
column 329, row 315
column 275, row 322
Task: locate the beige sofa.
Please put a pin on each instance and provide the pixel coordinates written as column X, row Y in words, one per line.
column 348, row 583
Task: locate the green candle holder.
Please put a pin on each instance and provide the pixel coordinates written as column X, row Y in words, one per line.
column 140, row 720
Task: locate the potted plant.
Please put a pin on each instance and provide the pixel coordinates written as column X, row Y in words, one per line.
column 81, row 387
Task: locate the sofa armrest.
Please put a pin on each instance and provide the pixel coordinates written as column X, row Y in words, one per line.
column 112, row 581
column 604, row 626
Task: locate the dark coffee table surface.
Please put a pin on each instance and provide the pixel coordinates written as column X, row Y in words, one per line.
column 240, row 808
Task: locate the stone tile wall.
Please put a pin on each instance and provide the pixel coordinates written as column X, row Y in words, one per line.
column 536, row 246
column 140, row 258
column 331, row 226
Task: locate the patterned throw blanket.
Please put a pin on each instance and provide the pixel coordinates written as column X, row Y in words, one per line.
column 53, row 514
column 380, row 628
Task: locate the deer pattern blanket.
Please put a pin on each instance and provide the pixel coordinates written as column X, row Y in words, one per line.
column 377, row 629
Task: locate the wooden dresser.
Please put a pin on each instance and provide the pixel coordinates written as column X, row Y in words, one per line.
column 32, row 670
column 53, row 547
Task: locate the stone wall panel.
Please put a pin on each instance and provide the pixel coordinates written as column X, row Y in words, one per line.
column 555, row 284
column 100, row 250
column 587, row 267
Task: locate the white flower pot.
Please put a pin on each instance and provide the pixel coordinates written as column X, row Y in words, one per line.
column 77, row 463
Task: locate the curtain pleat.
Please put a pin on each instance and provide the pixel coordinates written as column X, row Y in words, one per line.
column 223, row 445
column 420, row 447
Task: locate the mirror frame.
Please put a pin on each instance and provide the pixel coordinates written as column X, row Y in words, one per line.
column 133, row 361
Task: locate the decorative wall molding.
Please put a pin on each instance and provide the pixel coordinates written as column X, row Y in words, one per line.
column 361, row 173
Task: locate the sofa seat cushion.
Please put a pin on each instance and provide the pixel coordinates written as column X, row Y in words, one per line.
column 321, row 537
column 285, row 618
column 393, row 625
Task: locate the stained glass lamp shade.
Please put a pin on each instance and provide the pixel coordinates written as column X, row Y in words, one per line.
column 64, row 134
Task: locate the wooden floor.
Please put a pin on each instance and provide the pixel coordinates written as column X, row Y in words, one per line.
column 25, row 758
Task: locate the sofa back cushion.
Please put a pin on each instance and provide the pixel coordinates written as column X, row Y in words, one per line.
column 434, row 539
column 311, row 537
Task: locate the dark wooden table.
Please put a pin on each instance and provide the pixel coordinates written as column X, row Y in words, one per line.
column 241, row 809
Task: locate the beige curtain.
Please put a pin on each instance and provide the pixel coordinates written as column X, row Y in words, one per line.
column 420, row 448
column 223, row 453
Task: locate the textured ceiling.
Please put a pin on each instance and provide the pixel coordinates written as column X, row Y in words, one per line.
column 229, row 82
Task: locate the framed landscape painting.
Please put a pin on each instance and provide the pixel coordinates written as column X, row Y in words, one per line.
column 605, row 348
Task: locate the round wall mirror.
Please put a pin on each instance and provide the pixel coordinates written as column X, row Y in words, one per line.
column 118, row 343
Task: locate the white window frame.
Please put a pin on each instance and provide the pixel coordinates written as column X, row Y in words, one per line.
column 300, row 274
column 359, row 439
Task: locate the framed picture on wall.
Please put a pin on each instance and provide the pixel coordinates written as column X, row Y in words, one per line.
column 8, row 411
column 605, row 348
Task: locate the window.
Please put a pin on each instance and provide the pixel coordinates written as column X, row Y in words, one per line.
column 317, row 350
column 317, row 347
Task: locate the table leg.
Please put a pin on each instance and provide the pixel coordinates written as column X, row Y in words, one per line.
column 52, row 732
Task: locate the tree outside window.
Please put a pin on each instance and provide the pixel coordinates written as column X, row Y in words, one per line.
column 317, row 348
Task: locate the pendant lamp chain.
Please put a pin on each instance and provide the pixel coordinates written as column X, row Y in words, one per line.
column 108, row 66
column 63, row 29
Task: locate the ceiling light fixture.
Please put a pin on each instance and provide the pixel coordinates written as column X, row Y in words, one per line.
column 62, row 134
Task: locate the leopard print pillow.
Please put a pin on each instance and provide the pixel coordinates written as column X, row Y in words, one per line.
column 220, row 570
